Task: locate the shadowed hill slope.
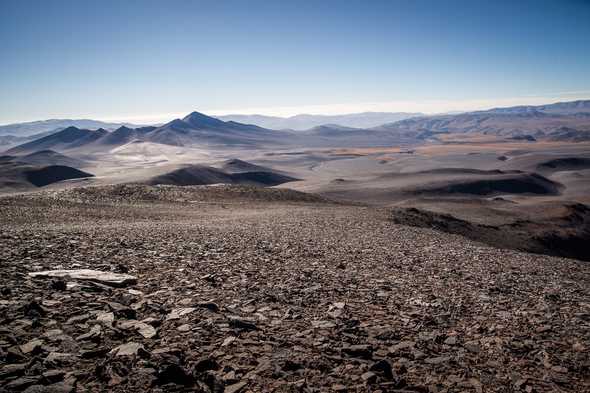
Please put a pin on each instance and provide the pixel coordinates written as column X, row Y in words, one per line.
column 19, row 176
column 202, row 175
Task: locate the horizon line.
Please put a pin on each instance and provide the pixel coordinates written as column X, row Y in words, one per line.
column 413, row 107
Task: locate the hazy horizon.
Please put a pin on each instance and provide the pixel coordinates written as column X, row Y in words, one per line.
column 328, row 110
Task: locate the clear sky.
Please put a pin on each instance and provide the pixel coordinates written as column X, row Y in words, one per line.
column 153, row 60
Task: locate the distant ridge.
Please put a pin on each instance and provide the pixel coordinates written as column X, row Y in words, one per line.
column 306, row 122
column 36, row 127
column 69, row 138
column 48, row 157
column 566, row 121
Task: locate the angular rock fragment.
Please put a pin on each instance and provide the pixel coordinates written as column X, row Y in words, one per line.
column 173, row 373
column 323, row 324
column 179, row 312
column 58, row 359
column 31, row 346
column 235, row 388
column 11, row 370
column 105, row 317
column 142, row 328
column 130, row 349
column 241, row 323
column 369, row 377
column 107, row 278
column 94, row 333
column 358, row 351
column 22, row 383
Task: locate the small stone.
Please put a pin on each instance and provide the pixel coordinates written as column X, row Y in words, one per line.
column 58, row 285
column 11, row 370
column 53, row 334
column 105, row 317
column 31, row 346
column 94, row 333
column 323, row 324
column 147, row 331
column 53, row 376
column 22, row 383
column 472, row 346
column 228, row 341
column 437, row 360
column 179, row 312
column 401, row 346
column 241, row 324
column 122, row 311
column 369, row 377
column 384, row 368
column 358, row 351
column 184, row 328
column 452, row 340
column 130, row 349
column 57, row 359
column 173, row 373
column 235, row 388
column 209, row 306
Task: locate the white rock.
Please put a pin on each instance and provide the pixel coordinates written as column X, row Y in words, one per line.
column 107, row 278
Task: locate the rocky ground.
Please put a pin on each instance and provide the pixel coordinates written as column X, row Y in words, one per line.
column 239, row 289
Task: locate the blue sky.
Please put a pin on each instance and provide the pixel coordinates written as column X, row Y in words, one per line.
column 153, row 60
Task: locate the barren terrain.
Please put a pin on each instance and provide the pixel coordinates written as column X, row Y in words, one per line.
column 250, row 289
column 212, row 256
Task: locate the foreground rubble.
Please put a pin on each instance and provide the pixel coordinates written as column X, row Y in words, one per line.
column 239, row 291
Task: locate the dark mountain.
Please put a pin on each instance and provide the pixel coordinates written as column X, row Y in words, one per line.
column 68, row 139
column 194, row 129
column 123, row 135
column 200, row 121
column 305, row 122
column 198, row 128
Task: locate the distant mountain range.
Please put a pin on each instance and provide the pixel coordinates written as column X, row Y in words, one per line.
column 305, row 122
column 557, row 122
column 194, row 129
column 36, row 127
column 566, row 121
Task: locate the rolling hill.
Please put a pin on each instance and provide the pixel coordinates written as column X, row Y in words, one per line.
column 46, row 157
column 232, row 172
column 19, row 176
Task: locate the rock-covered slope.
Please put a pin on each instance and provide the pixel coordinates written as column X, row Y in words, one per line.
column 258, row 296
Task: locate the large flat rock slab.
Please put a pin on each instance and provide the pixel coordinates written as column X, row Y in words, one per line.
column 107, row 278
